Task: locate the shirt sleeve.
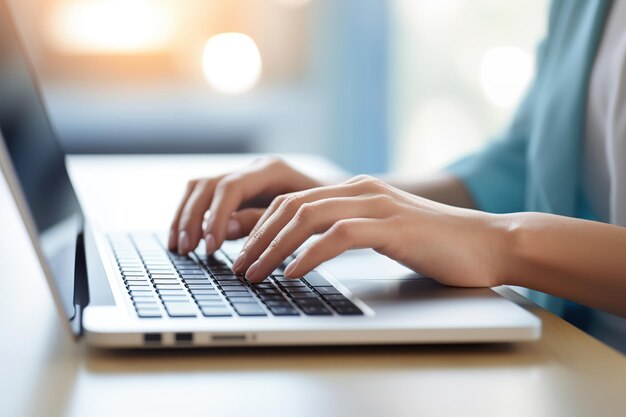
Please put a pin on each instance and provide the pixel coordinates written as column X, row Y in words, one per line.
column 495, row 176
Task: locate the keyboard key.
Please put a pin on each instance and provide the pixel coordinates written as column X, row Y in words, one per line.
column 204, row 292
column 211, row 260
column 246, row 297
column 207, row 297
column 302, row 302
column 217, row 275
column 272, row 297
column 133, row 272
column 341, row 303
column 139, row 285
column 337, row 297
column 149, row 305
column 149, row 312
column 301, row 295
column 316, row 310
column 188, row 274
column 174, row 286
column 230, row 283
column 248, row 310
column 178, row 309
column 196, row 279
column 244, row 293
column 135, row 275
column 131, row 265
column 294, row 283
column 144, row 292
column 278, row 303
column 210, row 303
column 172, row 292
column 181, row 298
column 298, row 290
column 206, row 286
column 282, row 278
column 284, row 311
column 189, row 269
column 186, row 265
column 164, row 276
column 315, row 279
column 242, row 300
column 327, row 290
column 162, row 272
column 144, row 298
column 234, row 288
column 131, row 280
column 264, row 285
column 163, row 262
column 268, row 291
column 348, row 310
column 215, row 312
column 220, row 269
column 166, row 281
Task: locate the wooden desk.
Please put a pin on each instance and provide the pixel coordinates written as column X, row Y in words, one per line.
column 45, row 373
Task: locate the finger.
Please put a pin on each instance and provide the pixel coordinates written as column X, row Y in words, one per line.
column 361, row 184
column 344, row 235
column 281, row 212
column 190, row 223
column 241, row 222
column 172, row 243
column 231, row 192
column 313, row 218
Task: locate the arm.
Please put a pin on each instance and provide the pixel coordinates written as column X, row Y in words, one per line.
column 580, row 260
column 576, row 259
column 442, row 187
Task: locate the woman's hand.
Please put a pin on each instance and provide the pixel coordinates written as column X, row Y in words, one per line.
column 452, row 245
column 226, row 199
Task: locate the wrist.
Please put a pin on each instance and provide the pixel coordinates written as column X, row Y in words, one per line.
column 513, row 240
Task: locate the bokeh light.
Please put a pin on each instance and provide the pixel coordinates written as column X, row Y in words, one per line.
column 505, row 72
column 112, row 26
column 231, row 63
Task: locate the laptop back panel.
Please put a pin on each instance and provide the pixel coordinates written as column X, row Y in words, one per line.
column 38, row 164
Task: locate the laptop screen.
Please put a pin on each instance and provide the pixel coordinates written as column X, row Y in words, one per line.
column 38, row 162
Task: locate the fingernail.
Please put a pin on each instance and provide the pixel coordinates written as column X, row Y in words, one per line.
column 233, row 227
column 238, row 262
column 171, row 241
column 183, row 243
column 250, row 272
column 210, row 244
column 291, row 267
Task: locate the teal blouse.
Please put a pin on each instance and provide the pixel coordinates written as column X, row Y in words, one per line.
column 535, row 164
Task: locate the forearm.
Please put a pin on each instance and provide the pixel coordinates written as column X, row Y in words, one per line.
column 580, row 260
column 441, row 187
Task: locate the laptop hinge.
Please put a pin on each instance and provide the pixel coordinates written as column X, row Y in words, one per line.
column 81, row 287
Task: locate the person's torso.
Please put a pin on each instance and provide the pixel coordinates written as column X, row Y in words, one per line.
column 603, row 174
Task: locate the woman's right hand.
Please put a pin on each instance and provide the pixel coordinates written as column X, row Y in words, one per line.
column 226, row 199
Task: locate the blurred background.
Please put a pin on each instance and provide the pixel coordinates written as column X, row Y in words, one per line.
column 399, row 85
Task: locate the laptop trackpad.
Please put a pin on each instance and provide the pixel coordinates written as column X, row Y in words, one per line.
column 367, row 264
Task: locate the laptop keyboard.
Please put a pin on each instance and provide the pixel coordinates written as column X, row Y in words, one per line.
column 162, row 283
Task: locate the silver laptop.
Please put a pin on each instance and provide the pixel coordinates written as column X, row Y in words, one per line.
column 126, row 290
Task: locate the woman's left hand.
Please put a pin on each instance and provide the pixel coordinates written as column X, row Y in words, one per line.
column 454, row 246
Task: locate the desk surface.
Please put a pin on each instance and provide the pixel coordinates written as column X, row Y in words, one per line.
column 45, row 373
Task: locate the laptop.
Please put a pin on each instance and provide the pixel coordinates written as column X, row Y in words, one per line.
column 125, row 290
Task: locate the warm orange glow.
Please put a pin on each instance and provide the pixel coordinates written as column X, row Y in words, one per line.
column 113, row 26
